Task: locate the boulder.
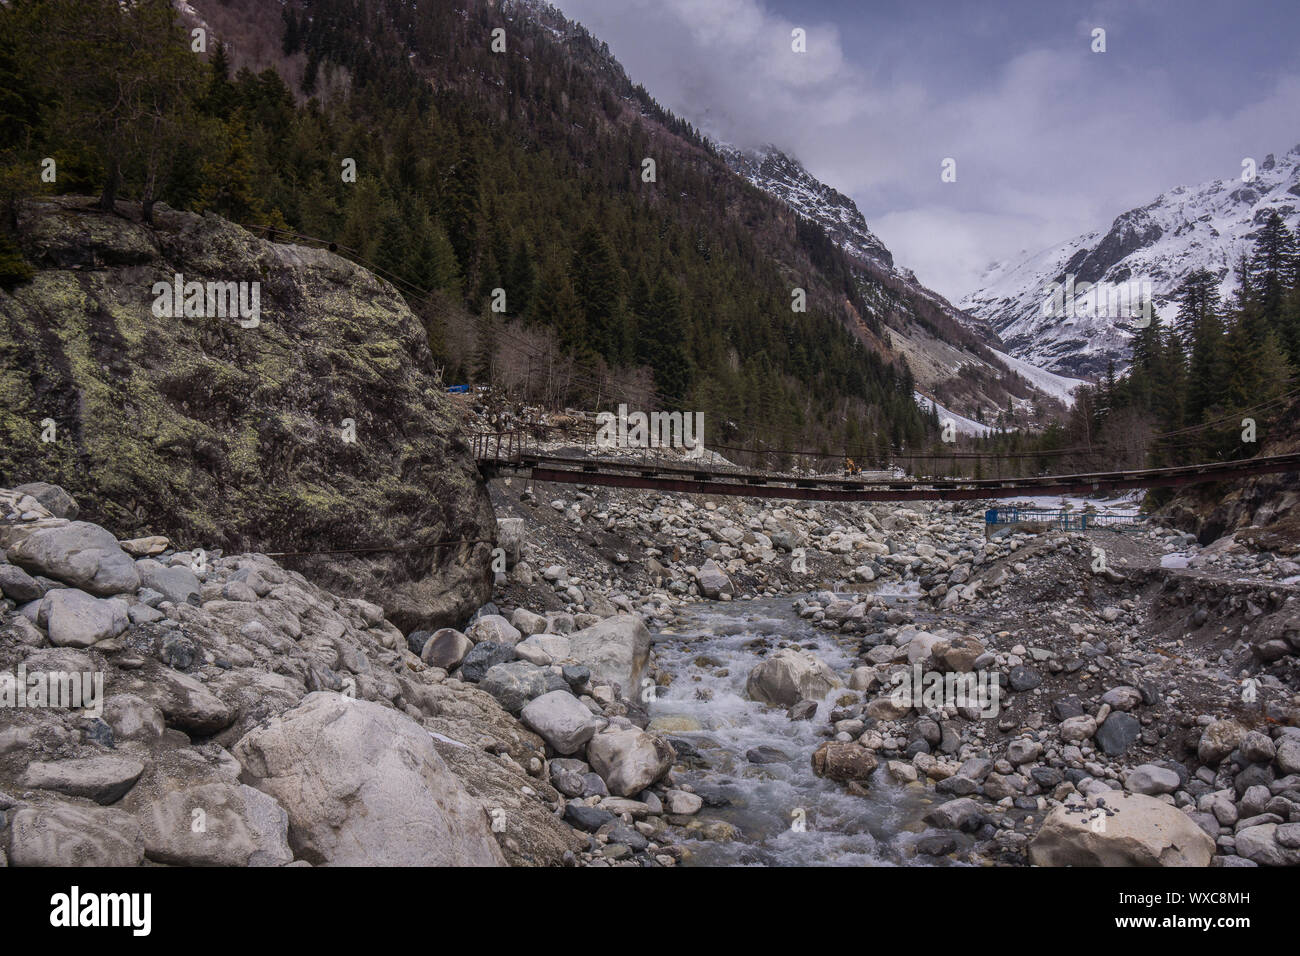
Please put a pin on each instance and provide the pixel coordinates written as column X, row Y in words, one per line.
column 17, row 585
column 176, row 583
column 962, row 814
column 713, row 581
column 63, row 834
column 409, row 430
column 629, row 760
column 75, row 619
column 133, row 718
column 616, row 650
column 483, row 657
column 446, row 648
column 1141, row 831
column 956, row 654
column 146, row 547
column 79, row 554
column 1270, row 844
column 1117, row 733
column 516, row 683
column 1219, row 739
column 216, row 824
column 843, row 760
column 789, row 676
column 363, row 785
column 527, row 622
column 53, row 498
column 104, row 779
column 493, row 628
column 561, row 719
column 1151, row 780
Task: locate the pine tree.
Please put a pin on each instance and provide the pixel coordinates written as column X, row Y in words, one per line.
column 661, row 344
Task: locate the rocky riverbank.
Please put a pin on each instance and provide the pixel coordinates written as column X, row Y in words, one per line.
column 1145, row 708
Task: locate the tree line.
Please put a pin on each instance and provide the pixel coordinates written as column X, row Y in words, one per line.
column 504, row 194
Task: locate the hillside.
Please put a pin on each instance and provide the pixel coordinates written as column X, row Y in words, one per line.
column 952, row 356
column 525, row 171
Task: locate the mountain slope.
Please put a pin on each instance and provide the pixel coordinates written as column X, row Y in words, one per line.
column 948, row 352
column 1187, row 228
column 530, row 163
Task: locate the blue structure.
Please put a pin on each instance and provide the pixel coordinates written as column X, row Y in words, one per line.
column 1061, row 520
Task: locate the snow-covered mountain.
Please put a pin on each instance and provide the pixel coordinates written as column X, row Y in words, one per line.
column 785, row 178
column 954, row 359
column 1188, row 228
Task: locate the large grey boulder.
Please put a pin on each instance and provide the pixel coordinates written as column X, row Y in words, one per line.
column 493, row 628
column 446, row 648
column 629, row 760
column 104, row 779
column 516, row 683
column 176, row 583
column 133, row 718
column 616, row 650
column 79, row 554
column 17, row 585
column 1270, row 844
column 63, row 834
column 562, row 720
column 75, row 619
column 789, row 676
column 185, row 703
column 216, row 824
column 56, row 501
column 713, row 581
column 364, row 786
column 1140, row 831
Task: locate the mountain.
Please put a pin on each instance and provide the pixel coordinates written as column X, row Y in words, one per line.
column 1187, row 228
column 954, row 358
column 781, row 176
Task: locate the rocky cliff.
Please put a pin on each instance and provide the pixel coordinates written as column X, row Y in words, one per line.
column 319, row 427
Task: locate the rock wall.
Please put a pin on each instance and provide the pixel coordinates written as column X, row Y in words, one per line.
column 232, row 438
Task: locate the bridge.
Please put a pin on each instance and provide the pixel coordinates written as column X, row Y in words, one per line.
column 512, row 452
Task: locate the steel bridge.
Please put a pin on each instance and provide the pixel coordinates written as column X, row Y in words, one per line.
column 512, row 452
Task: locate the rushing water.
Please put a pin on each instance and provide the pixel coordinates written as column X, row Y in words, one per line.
column 767, row 800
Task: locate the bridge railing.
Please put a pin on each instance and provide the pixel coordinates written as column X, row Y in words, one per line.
column 506, row 447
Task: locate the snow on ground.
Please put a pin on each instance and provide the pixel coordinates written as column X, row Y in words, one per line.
column 964, row 425
column 1058, row 386
column 1120, row 504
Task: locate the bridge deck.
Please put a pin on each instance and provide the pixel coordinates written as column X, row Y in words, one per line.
column 714, row 481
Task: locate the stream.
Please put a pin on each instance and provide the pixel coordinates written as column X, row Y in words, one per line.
column 784, row 814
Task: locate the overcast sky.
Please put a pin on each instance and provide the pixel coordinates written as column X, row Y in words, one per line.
column 1050, row 138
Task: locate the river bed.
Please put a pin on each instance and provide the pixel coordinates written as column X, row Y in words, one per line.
column 784, row 813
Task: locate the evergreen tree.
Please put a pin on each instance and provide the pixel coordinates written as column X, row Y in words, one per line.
column 661, row 344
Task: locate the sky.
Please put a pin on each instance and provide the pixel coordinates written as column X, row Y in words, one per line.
column 1050, row 138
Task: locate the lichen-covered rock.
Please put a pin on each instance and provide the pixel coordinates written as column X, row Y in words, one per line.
column 220, row 436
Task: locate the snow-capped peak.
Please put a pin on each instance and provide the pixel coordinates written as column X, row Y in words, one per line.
column 1209, row 226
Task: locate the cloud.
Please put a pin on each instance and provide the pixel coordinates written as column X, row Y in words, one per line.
column 1050, row 138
